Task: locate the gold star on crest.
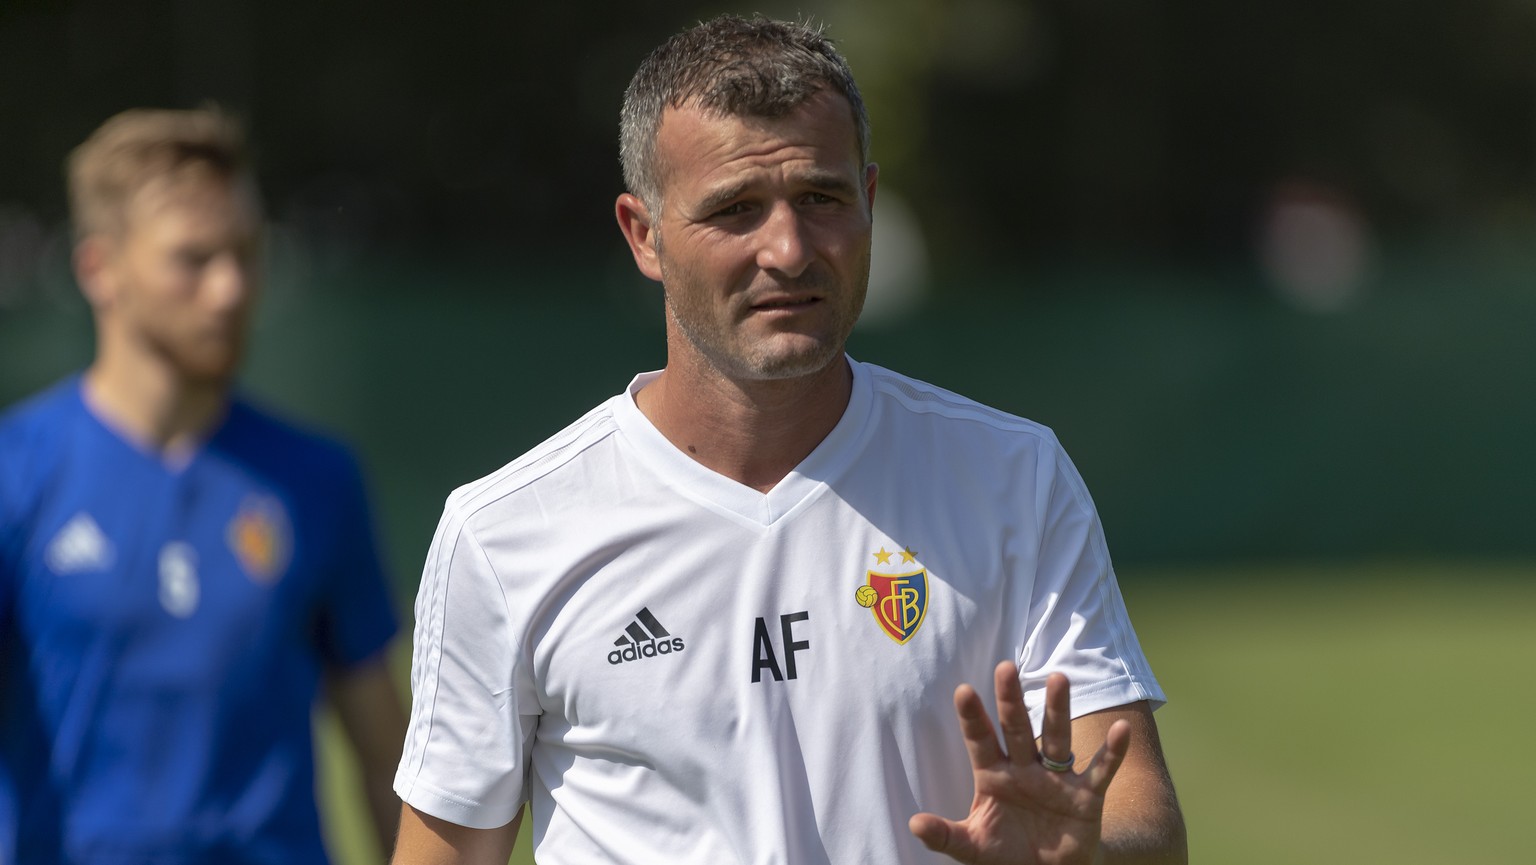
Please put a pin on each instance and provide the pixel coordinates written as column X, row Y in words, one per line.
column 883, row 557
column 908, row 556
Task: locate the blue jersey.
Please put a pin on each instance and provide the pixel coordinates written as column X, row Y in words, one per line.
column 163, row 630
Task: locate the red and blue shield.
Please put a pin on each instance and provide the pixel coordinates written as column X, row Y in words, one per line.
column 901, row 600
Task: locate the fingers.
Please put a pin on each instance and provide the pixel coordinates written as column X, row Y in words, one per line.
column 1012, row 716
column 1117, row 742
column 1056, row 728
column 943, row 836
column 980, row 739
column 1018, row 740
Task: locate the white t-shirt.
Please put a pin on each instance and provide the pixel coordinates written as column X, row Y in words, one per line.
column 673, row 667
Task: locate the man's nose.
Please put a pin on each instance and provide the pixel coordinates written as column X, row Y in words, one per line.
column 228, row 281
column 783, row 245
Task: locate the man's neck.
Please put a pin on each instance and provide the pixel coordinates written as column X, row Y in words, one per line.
column 753, row 432
column 152, row 405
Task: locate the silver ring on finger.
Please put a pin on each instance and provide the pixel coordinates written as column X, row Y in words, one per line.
column 1058, row 766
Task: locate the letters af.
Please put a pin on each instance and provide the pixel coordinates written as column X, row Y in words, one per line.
column 763, row 655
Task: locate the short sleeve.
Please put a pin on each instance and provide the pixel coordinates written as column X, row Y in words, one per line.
column 12, row 534
column 357, row 614
column 1078, row 624
column 467, row 748
column 10, row 552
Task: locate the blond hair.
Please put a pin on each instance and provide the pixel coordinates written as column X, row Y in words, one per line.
column 143, row 146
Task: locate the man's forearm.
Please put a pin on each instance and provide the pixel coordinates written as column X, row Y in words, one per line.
column 1142, row 852
column 428, row 840
column 384, row 809
column 1159, row 842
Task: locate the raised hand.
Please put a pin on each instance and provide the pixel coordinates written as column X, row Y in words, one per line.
column 1030, row 807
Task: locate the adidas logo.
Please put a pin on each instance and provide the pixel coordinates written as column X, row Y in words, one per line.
column 644, row 638
column 78, row 547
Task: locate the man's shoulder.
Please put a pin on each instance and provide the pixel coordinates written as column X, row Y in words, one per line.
column 252, row 424
column 31, row 427
column 284, row 450
column 914, row 398
column 41, row 410
column 34, row 442
column 541, row 464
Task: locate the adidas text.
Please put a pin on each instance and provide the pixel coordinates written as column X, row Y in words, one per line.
column 651, row 649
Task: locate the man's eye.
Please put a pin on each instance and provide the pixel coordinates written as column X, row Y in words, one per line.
column 820, row 198
column 732, row 210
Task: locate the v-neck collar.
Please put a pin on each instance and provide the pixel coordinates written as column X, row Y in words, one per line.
column 804, row 483
column 173, row 468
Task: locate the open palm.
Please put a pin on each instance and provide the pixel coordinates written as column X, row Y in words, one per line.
column 1024, row 813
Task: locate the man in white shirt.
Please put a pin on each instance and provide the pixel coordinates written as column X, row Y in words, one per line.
column 717, row 618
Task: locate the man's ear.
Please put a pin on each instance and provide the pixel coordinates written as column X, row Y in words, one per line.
column 93, row 270
column 639, row 229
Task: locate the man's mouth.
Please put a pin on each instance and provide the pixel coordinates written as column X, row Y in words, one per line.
column 797, row 302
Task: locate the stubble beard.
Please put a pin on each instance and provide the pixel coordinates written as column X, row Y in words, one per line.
column 205, row 363
column 738, row 359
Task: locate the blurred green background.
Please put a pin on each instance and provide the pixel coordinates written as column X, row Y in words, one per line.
column 1268, row 271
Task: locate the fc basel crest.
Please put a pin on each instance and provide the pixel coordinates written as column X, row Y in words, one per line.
column 259, row 538
column 899, row 601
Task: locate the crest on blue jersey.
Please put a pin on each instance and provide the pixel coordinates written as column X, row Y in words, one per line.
column 260, row 538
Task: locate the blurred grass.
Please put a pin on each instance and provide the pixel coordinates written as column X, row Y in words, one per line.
column 1348, row 714
column 1345, row 714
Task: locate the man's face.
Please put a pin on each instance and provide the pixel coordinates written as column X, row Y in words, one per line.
column 764, row 236
column 180, row 282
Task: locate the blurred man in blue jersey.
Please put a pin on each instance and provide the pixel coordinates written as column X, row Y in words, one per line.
column 181, row 574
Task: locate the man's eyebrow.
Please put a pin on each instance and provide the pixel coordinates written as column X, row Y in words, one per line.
column 721, row 197
column 830, row 181
column 825, row 181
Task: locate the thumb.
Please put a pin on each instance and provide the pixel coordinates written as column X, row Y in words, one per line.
column 943, row 836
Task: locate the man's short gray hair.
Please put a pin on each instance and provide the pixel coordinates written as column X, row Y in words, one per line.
column 729, row 66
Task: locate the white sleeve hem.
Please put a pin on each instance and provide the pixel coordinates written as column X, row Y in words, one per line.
column 1108, row 694
column 455, row 809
